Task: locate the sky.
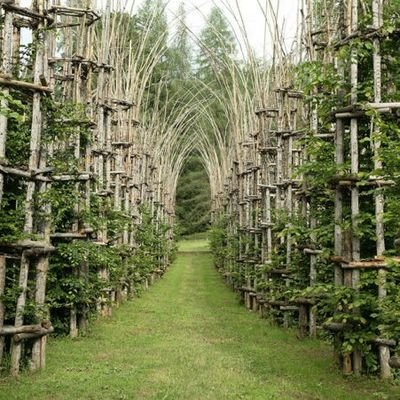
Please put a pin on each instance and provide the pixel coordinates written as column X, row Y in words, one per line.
column 254, row 17
column 254, row 13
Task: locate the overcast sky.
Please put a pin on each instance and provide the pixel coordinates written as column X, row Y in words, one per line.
column 253, row 15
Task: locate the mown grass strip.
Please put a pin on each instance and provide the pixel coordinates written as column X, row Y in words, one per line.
column 188, row 338
column 193, row 246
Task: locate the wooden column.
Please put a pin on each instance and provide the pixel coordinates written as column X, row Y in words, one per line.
column 2, row 309
column 34, row 164
column 355, row 193
column 6, row 69
column 377, row 13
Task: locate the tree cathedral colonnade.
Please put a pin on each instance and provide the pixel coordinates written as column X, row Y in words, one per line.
column 75, row 179
column 306, row 229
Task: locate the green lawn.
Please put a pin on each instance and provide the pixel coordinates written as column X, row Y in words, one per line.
column 192, row 245
column 195, row 242
column 188, row 338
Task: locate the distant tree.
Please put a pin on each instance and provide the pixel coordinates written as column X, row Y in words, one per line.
column 151, row 22
column 179, row 58
column 217, row 47
column 193, row 197
column 214, row 62
column 180, row 52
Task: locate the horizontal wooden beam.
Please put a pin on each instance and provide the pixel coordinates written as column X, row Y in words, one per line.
column 26, row 12
column 5, row 80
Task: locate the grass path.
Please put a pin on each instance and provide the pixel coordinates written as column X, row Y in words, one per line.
column 187, row 338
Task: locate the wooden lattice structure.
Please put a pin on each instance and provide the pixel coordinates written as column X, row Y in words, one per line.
column 31, row 255
column 84, row 145
column 351, row 123
column 281, row 250
column 69, row 127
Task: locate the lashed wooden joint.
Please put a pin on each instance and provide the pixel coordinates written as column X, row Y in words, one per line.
column 25, row 12
column 385, row 342
column 312, row 252
column 394, row 362
column 335, row 326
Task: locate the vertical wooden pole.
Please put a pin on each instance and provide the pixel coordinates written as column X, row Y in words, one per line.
column 2, row 309
column 6, row 68
column 38, row 357
column 355, row 192
column 313, row 279
column 103, row 140
column 36, row 128
column 16, row 347
column 377, row 12
column 39, row 345
column 303, row 320
column 339, row 158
